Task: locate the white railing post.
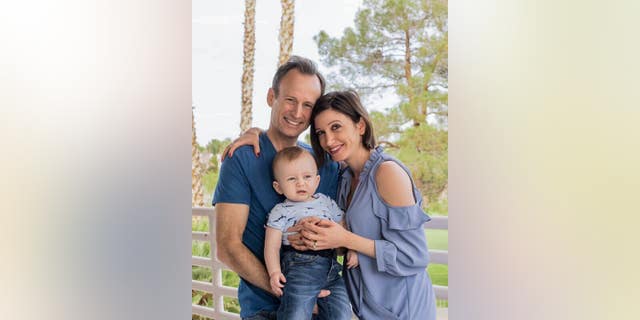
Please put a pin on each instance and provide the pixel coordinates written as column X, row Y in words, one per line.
column 215, row 287
column 216, row 272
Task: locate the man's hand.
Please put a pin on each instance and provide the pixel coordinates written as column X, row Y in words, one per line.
column 324, row 293
column 250, row 137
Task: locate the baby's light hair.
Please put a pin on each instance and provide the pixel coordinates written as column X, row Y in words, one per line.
column 289, row 154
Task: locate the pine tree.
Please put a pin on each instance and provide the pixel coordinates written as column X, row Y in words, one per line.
column 400, row 45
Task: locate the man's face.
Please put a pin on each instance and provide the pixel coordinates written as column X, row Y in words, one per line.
column 291, row 109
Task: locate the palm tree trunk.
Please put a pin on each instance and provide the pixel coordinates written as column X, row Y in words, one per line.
column 196, row 169
column 247, row 63
column 286, row 30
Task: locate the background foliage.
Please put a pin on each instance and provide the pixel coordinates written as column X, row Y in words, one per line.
column 400, row 47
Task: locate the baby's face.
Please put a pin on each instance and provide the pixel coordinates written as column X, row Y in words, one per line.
column 297, row 179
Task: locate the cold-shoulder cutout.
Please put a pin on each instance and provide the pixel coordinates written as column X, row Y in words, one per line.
column 394, row 184
column 402, row 218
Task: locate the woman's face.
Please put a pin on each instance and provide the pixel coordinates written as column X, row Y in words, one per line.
column 338, row 134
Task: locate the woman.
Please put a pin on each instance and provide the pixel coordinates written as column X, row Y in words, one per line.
column 383, row 212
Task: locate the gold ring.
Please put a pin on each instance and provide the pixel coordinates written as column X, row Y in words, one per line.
column 315, row 244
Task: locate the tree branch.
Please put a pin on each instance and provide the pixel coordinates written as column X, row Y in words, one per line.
column 388, row 144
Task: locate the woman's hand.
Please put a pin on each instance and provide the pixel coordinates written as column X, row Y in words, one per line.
column 323, row 234
column 250, row 137
column 295, row 238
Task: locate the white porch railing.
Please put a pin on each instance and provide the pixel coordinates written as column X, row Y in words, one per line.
column 219, row 291
column 214, row 287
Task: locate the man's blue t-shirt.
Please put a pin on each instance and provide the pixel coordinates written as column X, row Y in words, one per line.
column 247, row 179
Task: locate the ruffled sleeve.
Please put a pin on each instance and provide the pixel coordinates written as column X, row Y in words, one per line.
column 402, row 251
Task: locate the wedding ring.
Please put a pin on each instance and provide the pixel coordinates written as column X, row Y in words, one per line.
column 315, row 244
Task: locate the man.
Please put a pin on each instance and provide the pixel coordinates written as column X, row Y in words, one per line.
column 244, row 194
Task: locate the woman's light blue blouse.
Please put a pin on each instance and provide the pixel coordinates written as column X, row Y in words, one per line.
column 395, row 284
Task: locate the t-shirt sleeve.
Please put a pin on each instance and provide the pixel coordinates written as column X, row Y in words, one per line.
column 338, row 214
column 233, row 184
column 277, row 217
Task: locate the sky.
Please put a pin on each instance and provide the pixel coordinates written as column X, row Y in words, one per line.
column 217, row 38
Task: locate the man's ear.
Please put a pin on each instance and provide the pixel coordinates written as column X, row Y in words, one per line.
column 276, row 186
column 271, row 96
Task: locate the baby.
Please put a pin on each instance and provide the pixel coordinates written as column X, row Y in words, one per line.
column 305, row 273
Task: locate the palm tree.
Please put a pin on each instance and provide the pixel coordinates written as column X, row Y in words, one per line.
column 286, row 30
column 196, row 169
column 247, row 63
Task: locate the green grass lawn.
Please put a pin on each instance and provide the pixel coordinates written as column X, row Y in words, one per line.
column 438, row 240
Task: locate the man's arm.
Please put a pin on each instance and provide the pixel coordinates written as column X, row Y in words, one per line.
column 231, row 219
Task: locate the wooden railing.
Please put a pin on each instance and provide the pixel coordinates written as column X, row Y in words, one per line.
column 220, row 291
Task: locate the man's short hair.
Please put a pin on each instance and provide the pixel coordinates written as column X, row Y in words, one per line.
column 303, row 65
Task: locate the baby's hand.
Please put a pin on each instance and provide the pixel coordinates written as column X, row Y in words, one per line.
column 276, row 280
column 352, row 259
